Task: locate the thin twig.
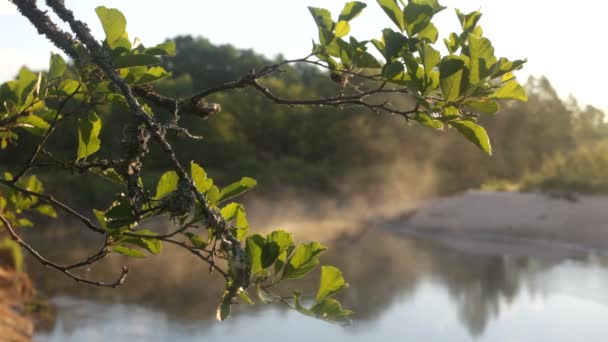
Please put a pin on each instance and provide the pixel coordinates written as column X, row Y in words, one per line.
column 63, row 269
column 51, row 200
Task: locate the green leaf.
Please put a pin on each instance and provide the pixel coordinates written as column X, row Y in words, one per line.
column 153, row 245
column 114, row 25
column 379, row 45
column 452, row 43
column 163, row 49
column 46, row 210
column 468, row 21
column 237, row 188
column 199, row 176
column 298, row 307
column 213, row 195
column 127, row 61
column 363, row 59
column 330, row 310
column 128, row 251
column 451, row 70
column 197, row 241
column 394, row 43
column 304, row 259
column 474, row 133
column 152, row 74
column 342, row 29
column 109, row 174
column 351, row 10
column 484, row 106
column 245, row 296
column 26, row 82
column 167, row 184
column 88, row 135
column 331, row 283
column 481, row 54
column 429, row 33
column 324, row 23
column 276, row 243
column 254, row 246
column 57, row 67
column 392, row 69
column 510, row 90
column 426, row 120
column 322, row 17
column 236, row 212
column 223, row 311
column 23, row 222
column 101, row 218
column 430, row 58
column 33, row 124
column 392, row 9
column 504, row 66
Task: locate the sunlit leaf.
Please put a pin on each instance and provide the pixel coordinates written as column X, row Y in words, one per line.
column 46, row 210
column 342, row 29
column 254, row 247
column 236, row 212
column 151, row 244
column 237, row 188
column 163, row 49
column 331, row 282
column 197, row 241
column 392, row 9
column 114, row 25
column 322, row 18
column 481, row 55
column 510, row 90
column 167, row 184
column 474, row 133
column 244, row 296
column 330, row 310
column 223, row 310
column 134, row 253
column 428, row 33
column 33, row 124
column 88, row 135
column 484, row 106
column 468, row 21
column 57, row 66
column 305, row 257
column 426, row 120
column 152, row 74
column 351, row 10
column 451, row 70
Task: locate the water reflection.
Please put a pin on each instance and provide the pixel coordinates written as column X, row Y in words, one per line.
column 392, row 279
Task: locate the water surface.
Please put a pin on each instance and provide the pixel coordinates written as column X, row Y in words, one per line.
column 402, row 288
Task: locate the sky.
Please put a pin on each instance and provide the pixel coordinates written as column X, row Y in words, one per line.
column 561, row 40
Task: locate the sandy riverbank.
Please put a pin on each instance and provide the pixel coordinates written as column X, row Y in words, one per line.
column 512, row 223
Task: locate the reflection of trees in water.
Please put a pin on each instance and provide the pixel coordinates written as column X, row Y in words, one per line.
column 481, row 285
column 477, row 284
column 381, row 268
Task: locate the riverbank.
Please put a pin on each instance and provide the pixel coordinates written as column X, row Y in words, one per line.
column 512, row 223
column 15, row 290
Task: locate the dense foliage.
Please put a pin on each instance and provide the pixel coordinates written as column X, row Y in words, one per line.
column 120, row 89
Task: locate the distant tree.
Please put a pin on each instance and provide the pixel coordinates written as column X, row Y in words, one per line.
column 116, row 79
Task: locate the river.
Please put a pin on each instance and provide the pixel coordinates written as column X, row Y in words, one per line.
column 402, row 288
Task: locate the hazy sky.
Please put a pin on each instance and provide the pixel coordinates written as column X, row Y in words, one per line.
column 561, row 40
